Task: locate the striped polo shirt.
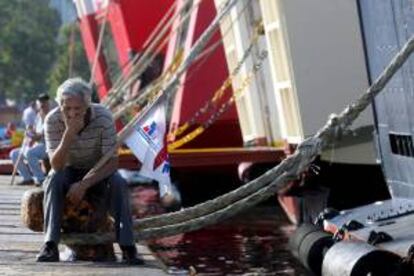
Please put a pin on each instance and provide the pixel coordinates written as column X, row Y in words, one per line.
column 95, row 140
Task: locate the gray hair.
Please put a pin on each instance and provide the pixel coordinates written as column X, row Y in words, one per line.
column 74, row 87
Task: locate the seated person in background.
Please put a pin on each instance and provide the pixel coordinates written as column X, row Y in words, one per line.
column 33, row 149
column 10, row 130
column 78, row 133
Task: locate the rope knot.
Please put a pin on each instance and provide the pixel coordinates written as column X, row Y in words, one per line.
column 304, row 155
column 310, row 147
column 334, row 128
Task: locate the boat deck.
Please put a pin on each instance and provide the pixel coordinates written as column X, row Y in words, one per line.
column 394, row 217
column 225, row 156
column 19, row 246
column 190, row 158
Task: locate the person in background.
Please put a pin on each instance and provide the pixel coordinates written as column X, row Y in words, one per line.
column 78, row 134
column 29, row 166
column 10, row 130
column 29, row 116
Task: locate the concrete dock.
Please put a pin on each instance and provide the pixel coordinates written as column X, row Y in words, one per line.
column 19, row 246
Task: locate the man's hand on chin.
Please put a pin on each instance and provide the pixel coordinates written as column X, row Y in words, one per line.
column 74, row 124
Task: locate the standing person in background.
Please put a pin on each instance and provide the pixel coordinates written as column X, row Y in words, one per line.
column 29, row 116
column 29, row 166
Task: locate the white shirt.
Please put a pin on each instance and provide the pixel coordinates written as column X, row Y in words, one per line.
column 29, row 116
column 39, row 127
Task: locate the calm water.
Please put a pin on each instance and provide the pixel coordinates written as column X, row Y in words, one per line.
column 253, row 243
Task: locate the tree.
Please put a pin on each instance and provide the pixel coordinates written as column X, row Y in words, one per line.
column 28, row 30
column 71, row 59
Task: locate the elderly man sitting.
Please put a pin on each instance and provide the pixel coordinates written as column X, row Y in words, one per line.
column 78, row 133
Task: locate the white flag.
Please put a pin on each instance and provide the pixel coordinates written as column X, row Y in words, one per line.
column 148, row 143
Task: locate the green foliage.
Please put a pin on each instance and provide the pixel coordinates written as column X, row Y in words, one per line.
column 28, row 30
column 71, row 59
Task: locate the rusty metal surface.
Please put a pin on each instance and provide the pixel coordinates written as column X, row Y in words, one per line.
column 19, row 246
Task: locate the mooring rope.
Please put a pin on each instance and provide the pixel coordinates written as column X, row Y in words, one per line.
column 170, row 86
column 126, row 66
column 172, row 83
column 99, row 45
column 137, row 61
column 219, row 92
column 144, row 61
column 155, row 86
column 192, row 55
column 306, row 152
column 223, row 108
column 290, row 168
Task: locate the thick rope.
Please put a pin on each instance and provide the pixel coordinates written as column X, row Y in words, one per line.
column 154, row 38
column 161, row 25
column 312, row 147
column 117, row 72
column 99, row 46
column 218, row 94
column 71, row 50
column 221, row 110
column 144, row 61
column 287, row 170
column 170, row 86
column 294, row 165
column 173, row 227
column 154, row 87
column 281, row 174
column 337, row 124
column 192, row 55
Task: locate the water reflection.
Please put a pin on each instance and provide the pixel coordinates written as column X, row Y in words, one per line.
column 254, row 242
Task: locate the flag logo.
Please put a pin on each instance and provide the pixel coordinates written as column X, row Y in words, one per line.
column 148, row 143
